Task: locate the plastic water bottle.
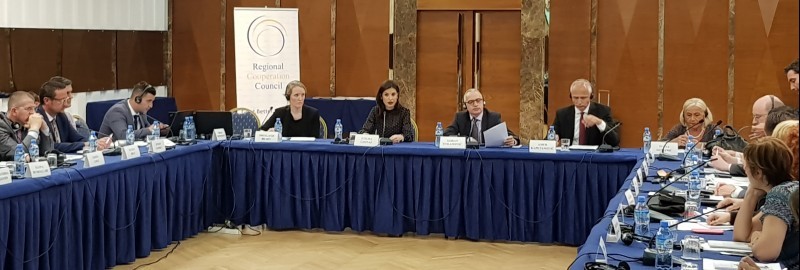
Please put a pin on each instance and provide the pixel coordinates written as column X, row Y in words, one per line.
column 695, row 185
column 717, row 134
column 646, row 139
column 184, row 135
column 34, row 150
column 641, row 216
column 130, row 138
column 338, row 129
column 191, row 131
column 156, row 131
column 19, row 160
column 551, row 134
column 689, row 153
column 93, row 142
column 278, row 126
column 439, row 133
column 664, row 241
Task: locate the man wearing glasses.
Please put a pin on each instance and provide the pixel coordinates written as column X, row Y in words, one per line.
column 477, row 119
column 21, row 124
column 761, row 108
column 55, row 96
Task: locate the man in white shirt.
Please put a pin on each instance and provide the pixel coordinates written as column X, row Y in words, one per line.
column 585, row 122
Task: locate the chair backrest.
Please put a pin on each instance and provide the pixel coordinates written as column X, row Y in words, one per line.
column 81, row 127
column 244, row 118
column 323, row 128
column 416, row 130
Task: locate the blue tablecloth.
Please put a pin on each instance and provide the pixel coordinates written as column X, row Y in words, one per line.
column 589, row 250
column 352, row 112
column 96, row 111
column 99, row 217
column 496, row 194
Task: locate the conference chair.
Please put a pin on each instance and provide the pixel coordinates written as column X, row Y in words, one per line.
column 416, row 130
column 244, row 118
column 81, row 126
column 323, row 128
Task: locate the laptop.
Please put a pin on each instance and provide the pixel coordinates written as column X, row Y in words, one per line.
column 206, row 121
column 176, row 122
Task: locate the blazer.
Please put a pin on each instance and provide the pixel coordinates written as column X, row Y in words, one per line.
column 565, row 125
column 117, row 119
column 308, row 126
column 462, row 124
column 71, row 140
column 9, row 139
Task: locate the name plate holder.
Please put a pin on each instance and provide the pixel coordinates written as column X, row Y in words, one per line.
column 156, row 146
column 219, row 135
column 5, row 176
column 268, row 136
column 542, row 146
column 669, row 148
column 130, row 151
column 37, row 169
column 93, row 159
column 449, row 142
column 368, row 140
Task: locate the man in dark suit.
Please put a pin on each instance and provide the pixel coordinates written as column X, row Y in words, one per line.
column 132, row 111
column 21, row 124
column 476, row 119
column 585, row 122
column 54, row 96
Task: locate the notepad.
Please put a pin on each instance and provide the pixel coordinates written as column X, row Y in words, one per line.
column 711, row 264
column 583, row 147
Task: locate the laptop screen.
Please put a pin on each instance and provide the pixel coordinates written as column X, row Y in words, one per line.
column 207, row 121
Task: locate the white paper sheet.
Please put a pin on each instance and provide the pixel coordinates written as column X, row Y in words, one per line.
column 495, row 136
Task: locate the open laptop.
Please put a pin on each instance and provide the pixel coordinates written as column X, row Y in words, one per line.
column 206, row 121
column 176, row 122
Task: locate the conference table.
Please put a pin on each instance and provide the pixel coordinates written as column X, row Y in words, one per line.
column 618, row 251
column 95, row 218
column 487, row 194
column 352, row 112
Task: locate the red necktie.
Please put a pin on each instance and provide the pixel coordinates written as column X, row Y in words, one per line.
column 582, row 132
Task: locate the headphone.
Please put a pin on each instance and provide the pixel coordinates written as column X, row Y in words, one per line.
column 772, row 99
column 591, row 96
column 605, row 266
column 465, row 104
column 152, row 90
column 629, row 237
column 591, row 89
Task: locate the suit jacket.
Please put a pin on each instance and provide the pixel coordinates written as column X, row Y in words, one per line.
column 9, row 139
column 565, row 125
column 117, row 119
column 71, row 140
column 462, row 124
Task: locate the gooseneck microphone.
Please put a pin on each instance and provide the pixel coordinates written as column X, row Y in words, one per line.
column 604, row 147
column 266, row 117
column 698, row 141
column 663, row 156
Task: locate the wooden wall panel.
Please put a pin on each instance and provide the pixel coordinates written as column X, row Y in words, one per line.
column 362, row 46
column 501, row 48
column 766, row 41
column 695, row 56
column 437, row 96
column 88, row 59
column 568, row 50
column 627, row 62
column 230, row 47
column 140, row 57
column 36, row 56
column 5, row 61
column 196, row 54
column 469, row 5
column 315, row 44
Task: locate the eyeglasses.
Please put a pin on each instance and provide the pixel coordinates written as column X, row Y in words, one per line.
column 29, row 108
column 475, row 101
column 61, row 100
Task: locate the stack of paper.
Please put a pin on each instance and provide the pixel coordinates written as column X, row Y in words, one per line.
column 710, row 264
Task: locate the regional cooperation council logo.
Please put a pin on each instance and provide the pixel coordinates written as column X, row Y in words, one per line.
column 266, row 37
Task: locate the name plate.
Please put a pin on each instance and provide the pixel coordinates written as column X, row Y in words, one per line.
column 219, row 135
column 449, row 142
column 636, row 182
column 629, row 196
column 542, row 146
column 130, row 151
column 670, row 148
column 5, row 175
column 368, row 140
column 93, row 159
column 37, row 169
column 156, row 146
column 268, row 136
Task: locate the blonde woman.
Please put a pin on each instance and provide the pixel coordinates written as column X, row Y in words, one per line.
column 693, row 113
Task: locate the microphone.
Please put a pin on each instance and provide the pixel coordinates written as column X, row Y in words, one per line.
column 267, row 116
column 655, row 214
column 470, row 143
column 383, row 139
column 698, row 166
column 663, row 156
column 698, row 140
column 606, row 148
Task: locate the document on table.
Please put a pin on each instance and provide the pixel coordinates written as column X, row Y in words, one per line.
column 711, row 264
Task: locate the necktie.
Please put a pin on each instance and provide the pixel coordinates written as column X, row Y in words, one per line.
column 475, row 133
column 54, row 131
column 136, row 122
column 582, row 131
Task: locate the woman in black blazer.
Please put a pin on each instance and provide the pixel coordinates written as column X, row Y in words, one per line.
column 297, row 119
column 388, row 118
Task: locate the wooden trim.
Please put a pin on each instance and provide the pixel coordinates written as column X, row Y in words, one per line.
column 168, row 49
column 593, row 44
column 731, row 50
column 660, row 67
column 11, row 86
column 469, row 5
column 332, row 88
column 114, row 69
column 223, row 14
